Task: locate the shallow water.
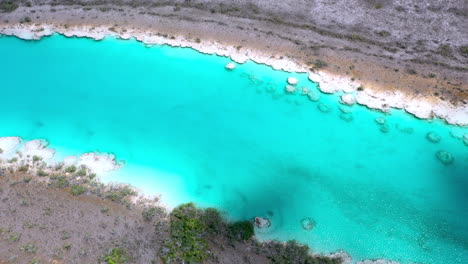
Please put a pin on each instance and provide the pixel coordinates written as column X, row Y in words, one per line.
column 192, row 131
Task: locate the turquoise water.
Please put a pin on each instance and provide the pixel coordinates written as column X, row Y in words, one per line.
column 192, row 131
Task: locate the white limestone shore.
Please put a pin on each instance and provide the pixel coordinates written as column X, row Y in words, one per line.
column 421, row 107
column 17, row 153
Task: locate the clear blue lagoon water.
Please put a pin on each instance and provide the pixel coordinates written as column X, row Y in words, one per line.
column 192, row 131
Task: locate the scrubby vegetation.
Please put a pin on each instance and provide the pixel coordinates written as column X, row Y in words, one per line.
column 116, row 256
column 187, row 235
column 8, row 6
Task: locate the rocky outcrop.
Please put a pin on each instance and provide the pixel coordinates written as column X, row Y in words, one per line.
column 262, row 222
column 445, row 157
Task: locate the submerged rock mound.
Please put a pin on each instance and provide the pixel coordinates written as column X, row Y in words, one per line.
column 324, row 108
column 313, row 96
column 262, row 222
column 445, row 157
column 292, row 81
column 307, row 223
column 433, row 137
column 230, row 66
column 290, row 89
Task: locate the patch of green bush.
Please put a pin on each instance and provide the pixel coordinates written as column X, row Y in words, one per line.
column 116, row 256
column 77, row 190
column 294, row 253
column 241, row 230
column 214, row 222
column 8, row 6
column 71, row 169
column 187, row 243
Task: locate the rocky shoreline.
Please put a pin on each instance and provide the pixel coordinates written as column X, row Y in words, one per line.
column 32, row 163
column 422, row 108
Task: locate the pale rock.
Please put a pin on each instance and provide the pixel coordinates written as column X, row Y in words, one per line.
column 292, row 81
column 37, row 148
column 8, row 145
column 290, row 89
column 262, row 222
column 347, row 99
column 230, row 66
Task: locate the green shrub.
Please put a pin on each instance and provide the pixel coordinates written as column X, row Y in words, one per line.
column 150, row 212
column 36, row 158
column 294, row 253
column 23, row 168
column 241, row 230
column 116, row 256
column 82, row 172
column 77, row 190
column 8, row 6
column 214, row 222
column 29, row 248
column 42, row 173
column 120, row 193
column 59, row 181
column 464, row 50
column 187, row 243
column 71, row 169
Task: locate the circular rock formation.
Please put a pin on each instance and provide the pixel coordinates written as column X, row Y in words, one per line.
column 270, row 88
column 305, row 91
column 380, row 120
column 313, row 96
column 345, row 109
column 324, row 108
column 346, row 117
column 348, row 99
column 292, row 81
column 262, row 222
column 290, row 89
column 307, row 223
column 384, row 128
column 445, row 157
column 433, row 137
column 230, row 66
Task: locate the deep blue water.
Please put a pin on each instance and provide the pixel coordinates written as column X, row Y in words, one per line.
column 192, row 131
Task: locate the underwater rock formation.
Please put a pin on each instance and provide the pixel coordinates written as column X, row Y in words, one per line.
column 433, row 137
column 345, row 109
column 230, row 66
column 313, row 96
column 445, row 157
column 380, row 120
column 348, row 99
column 384, row 128
column 292, row 81
column 262, row 222
column 290, row 89
column 307, row 223
column 406, row 130
column 305, row 91
column 324, row 108
column 346, row 117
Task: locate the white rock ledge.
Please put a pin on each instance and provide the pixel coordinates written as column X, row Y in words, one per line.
column 26, row 154
column 8, row 145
